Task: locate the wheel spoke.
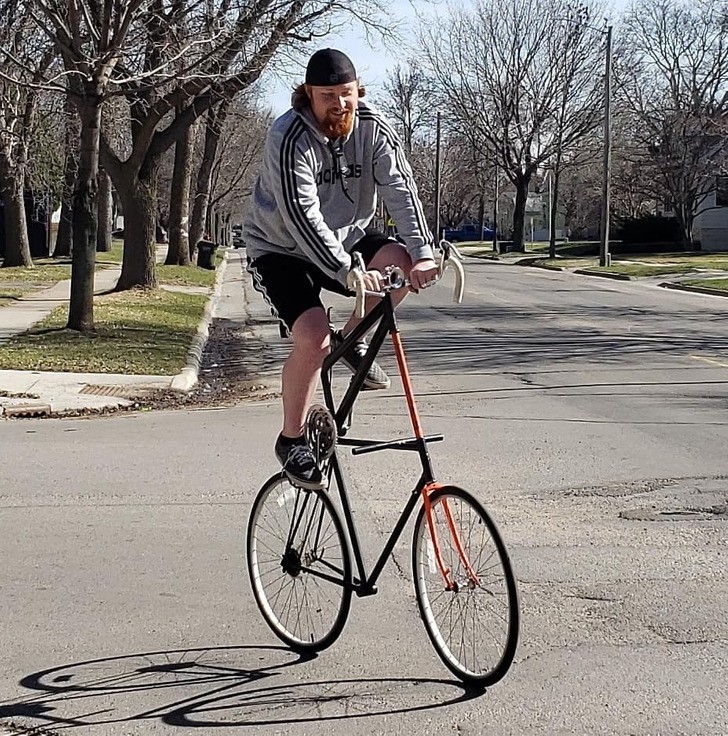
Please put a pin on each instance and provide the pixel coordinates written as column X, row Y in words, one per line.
column 294, row 537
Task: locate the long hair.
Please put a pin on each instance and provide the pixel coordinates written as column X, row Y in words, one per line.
column 300, row 99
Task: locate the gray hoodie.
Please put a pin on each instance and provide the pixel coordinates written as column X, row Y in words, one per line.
column 314, row 197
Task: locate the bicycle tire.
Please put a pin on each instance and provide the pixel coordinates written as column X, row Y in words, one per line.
column 488, row 605
column 304, row 609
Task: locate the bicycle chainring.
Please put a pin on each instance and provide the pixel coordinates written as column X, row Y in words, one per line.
column 320, row 432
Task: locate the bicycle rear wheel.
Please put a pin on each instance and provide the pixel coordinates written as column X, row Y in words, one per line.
column 299, row 564
column 473, row 626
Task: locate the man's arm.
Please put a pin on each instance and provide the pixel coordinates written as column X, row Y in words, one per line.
column 396, row 185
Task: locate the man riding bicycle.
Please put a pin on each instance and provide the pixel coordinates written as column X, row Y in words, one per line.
column 325, row 162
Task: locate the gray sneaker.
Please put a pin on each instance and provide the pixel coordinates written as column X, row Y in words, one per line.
column 299, row 465
column 375, row 377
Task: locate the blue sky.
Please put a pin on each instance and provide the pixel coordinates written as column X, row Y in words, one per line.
column 371, row 58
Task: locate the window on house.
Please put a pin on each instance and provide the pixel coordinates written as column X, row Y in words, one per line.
column 721, row 191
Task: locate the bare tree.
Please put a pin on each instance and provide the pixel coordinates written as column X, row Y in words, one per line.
column 238, row 155
column 409, row 100
column 227, row 47
column 178, row 252
column 138, row 50
column 72, row 136
column 519, row 79
column 213, row 127
column 673, row 77
column 105, row 209
column 25, row 55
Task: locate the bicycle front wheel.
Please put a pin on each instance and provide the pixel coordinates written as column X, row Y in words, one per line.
column 299, row 564
column 467, row 593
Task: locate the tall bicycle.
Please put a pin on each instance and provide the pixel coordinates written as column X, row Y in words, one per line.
column 300, row 551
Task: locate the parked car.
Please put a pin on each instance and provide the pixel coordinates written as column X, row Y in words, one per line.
column 467, row 232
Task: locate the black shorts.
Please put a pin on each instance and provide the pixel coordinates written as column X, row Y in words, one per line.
column 292, row 286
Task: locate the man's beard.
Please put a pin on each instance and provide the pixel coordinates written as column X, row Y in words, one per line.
column 336, row 126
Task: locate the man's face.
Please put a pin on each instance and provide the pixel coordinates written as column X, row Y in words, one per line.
column 333, row 108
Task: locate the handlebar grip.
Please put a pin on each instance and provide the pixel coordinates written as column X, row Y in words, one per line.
column 355, row 282
column 457, row 296
column 450, row 257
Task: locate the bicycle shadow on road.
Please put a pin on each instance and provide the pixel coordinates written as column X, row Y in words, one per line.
column 215, row 687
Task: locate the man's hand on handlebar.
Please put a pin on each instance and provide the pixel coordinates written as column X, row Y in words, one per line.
column 424, row 273
column 373, row 280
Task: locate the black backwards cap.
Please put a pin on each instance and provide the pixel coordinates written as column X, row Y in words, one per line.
column 329, row 67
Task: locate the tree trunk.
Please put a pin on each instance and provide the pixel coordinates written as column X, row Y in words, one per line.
column 519, row 213
column 17, row 242
column 64, row 236
column 139, row 201
column 200, row 205
column 553, row 210
column 179, row 251
column 481, row 213
column 106, row 208
column 85, row 209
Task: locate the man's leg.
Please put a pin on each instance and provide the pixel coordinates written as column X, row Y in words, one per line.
column 301, row 370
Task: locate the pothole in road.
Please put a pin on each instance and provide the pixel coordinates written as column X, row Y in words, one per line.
column 664, row 499
column 685, row 499
column 713, row 513
column 627, row 488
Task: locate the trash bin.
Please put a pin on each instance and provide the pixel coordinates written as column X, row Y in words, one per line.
column 206, row 254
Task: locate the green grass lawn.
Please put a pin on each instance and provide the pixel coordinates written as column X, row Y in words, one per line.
column 185, row 276
column 717, row 261
column 51, row 270
column 641, row 266
column 640, row 270
column 137, row 332
column 719, row 284
column 10, row 294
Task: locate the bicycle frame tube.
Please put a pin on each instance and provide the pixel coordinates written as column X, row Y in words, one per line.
column 383, row 313
column 366, row 584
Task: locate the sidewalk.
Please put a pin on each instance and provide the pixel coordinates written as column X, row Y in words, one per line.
column 41, row 393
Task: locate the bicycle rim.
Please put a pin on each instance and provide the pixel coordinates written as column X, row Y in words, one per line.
column 299, row 564
column 474, row 626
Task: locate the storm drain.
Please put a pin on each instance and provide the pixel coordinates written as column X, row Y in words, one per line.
column 27, row 410
column 119, row 392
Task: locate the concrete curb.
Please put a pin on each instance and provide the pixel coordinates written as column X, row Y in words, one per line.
column 186, row 379
column 615, row 276
column 542, row 266
column 694, row 289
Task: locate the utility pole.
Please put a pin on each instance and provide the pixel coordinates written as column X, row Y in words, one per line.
column 437, row 181
column 604, row 255
column 496, row 194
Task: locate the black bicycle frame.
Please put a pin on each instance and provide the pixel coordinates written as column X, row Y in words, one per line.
column 383, row 313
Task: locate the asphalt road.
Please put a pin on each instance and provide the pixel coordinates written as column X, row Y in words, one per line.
column 588, row 415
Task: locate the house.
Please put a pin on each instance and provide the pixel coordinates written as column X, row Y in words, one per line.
column 710, row 227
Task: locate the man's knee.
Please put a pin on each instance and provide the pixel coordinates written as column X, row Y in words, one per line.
column 391, row 254
column 311, row 334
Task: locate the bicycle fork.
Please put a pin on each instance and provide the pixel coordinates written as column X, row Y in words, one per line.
column 446, row 573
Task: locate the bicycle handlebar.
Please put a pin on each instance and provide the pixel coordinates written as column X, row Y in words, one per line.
column 396, row 279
